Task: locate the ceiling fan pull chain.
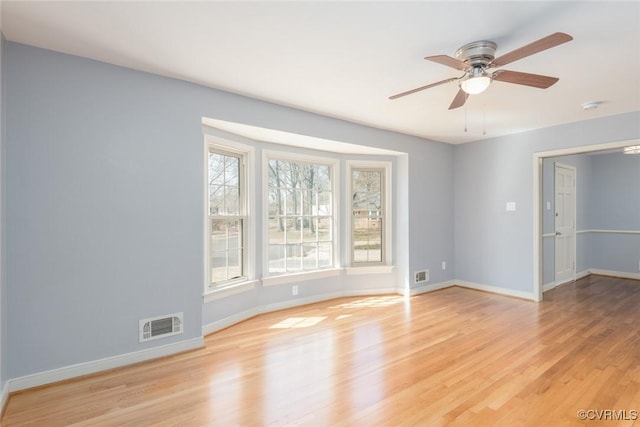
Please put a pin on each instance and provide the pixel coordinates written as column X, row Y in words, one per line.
column 484, row 119
column 465, row 118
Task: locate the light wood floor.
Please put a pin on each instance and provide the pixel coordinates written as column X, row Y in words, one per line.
column 453, row 357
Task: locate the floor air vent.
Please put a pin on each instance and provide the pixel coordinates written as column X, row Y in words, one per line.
column 160, row 327
column 422, row 276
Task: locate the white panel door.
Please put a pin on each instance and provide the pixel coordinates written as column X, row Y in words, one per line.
column 565, row 223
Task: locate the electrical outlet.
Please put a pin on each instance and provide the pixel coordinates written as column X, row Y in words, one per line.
column 294, row 290
column 444, row 265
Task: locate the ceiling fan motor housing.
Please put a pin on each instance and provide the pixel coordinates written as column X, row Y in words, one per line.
column 477, row 54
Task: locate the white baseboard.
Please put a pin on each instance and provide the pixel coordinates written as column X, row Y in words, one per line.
column 431, row 287
column 582, row 274
column 80, row 369
column 495, row 290
column 621, row 274
column 4, row 397
column 548, row 286
column 229, row 321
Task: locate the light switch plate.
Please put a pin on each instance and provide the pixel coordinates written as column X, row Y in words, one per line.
column 511, row 206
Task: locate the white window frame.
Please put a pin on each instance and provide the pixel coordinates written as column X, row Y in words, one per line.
column 335, row 269
column 387, row 243
column 247, row 190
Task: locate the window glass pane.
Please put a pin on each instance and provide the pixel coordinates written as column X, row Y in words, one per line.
column 359, row 255
column 218, row 236
column 308, row 202
column 360, row 203
column 232, row 170
column 310, row 256
column 275, row 202
column 367, row 240
column 310, row 225
column 323, row 181
column 226, row 241
column 294, row 258
column 367, row 216
column 276, row 229
column 297, row 202
column 226, row 250
column 325, row 257
column 272, row 166
column 235, row 264
column 216, row 168
column 374, row 243
column 284, row 173
column 233, row 235
column 216, row 199
column 367, row 181
column 276, row 258
column 231, row 199
column 324, row 229
column 292, row 202
column 293, row 230
column 300, row 215
column 218, row 267
column 324, row 203
column 374, row 202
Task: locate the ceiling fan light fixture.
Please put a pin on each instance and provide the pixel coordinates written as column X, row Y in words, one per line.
column 632, row 149
column 476, row 83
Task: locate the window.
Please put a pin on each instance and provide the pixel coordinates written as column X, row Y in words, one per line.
column 367, row 216
column 227, row 217
column 300, row 232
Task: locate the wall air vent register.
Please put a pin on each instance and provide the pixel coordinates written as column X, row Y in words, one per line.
column 160, row 327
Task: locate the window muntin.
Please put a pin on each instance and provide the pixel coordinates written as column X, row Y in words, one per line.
column 227, row 217
column 300, row 234
column 367, row 216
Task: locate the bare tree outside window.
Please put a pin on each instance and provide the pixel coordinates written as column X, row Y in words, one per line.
column 300, row 236
column 226, row 217
column 367, row 215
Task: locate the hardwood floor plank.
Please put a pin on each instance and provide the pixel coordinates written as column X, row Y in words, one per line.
column 452, row 357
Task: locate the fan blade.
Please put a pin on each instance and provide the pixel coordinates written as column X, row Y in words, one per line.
column 516, row 77
column 544, row 43
column 459, row 100
column 449, row 62
column 409, row 92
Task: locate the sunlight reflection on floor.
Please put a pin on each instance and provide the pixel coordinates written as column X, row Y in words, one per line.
column 297, row 322
column 382, row 301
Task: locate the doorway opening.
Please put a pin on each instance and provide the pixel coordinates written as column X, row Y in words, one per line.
column 538, row 202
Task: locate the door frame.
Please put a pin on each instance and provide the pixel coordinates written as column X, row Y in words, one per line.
column 537, row 200
column 557, row 165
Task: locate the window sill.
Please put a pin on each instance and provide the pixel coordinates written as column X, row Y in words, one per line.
column 223, row 292
column 370, row 269
column 298, row 277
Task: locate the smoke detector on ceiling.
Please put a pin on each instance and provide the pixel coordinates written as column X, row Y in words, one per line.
column 591, row 105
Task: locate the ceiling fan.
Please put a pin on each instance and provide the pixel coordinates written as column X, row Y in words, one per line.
column 477, row 58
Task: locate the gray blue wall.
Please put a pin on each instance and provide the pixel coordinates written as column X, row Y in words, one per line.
column 105, row 205
column 495, row 247
column 3, row 252
column 615, row 207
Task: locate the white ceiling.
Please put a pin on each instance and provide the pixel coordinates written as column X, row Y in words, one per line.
column 344, row 59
